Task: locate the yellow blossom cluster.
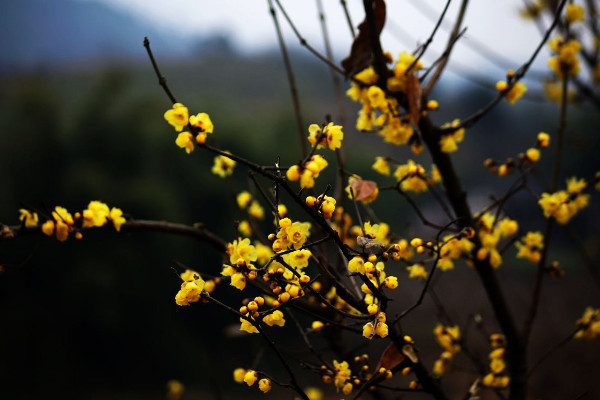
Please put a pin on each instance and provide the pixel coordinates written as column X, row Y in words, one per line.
column 565, row 204
column 377, row 327
column 28, row 218
column 330, row 136
column 61, row 223
column 531, row 156
column 448, row 337
column 565, row 62
column 495, row 378
column 411, row 177
column 97, row 214
column 553, row 90
column 516, row 91
column 530, row 247
column 589, row 324
column 307, row 172
column 199, row 124
column 241, row 255
column 342, row 376
column 452, row 248
column 448, row 142
column 417, row 271
column 379, row 110
column 291, row 235
column 490, row 232
column 191, row 288
column 325, row 204
column 288, row 281
column 249, row 377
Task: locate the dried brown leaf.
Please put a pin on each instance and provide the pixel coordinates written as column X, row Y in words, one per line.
column 413, row 94
column 361, row 55
column 391, row 358
column 363, row 189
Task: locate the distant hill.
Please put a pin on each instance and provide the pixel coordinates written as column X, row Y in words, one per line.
column 51, row 32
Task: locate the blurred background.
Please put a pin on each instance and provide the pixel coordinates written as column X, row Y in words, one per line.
column 81, row 118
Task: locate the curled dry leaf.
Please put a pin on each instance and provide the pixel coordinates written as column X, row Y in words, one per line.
column 413, row 94
column 363, row 189
column 390, row 358
column 360, row 55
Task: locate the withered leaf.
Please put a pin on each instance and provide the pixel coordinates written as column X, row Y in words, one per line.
column 361, row 55
column 391, row 358
column 363, row 189
column 413, row 94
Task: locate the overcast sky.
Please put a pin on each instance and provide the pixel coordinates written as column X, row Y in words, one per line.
column 248, row 23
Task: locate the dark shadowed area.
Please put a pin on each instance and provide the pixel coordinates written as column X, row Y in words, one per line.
column 81, row 118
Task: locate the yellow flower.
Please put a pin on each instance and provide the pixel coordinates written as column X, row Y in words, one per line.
column 448, row 337
column 404, row 61
column 293, row 234
column 243, row 199
column 515, row 92
column 48, row 227
column 248, row 327
column 298, row 259
column 116, row 216
column 357, row 265
column 378, row 232
column 238, row 281
column 367, row 76
column 62, row 231
column 417, row 271
column 574, row 13
column 411, row 176
column 256, row 210
column 61, row 214
column 238, row 375
column 185, row 140
column 29, row 218
column 244, row 228
column 396, row 131
column 250, row 377
column 313, row 393
column 332, row 136
column 202, row 122
column 377, row 97
column 264, row 385
column 189, row 292
column 342, row 373
column 530, row 247
column 566, row 60
column 241, row 249
column 381, row 165
column 177, row 116
column 347, row 389
column 275, row 318
column 448, row 143
column 589, row 324
column 96, row 214
column 223, row 166
column 175, row 389
column 508, row 226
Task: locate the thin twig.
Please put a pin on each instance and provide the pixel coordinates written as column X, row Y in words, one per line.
column 519, row 74
column 451, row 41
column 291, row 79
column 537, row 288
column 162, row 81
